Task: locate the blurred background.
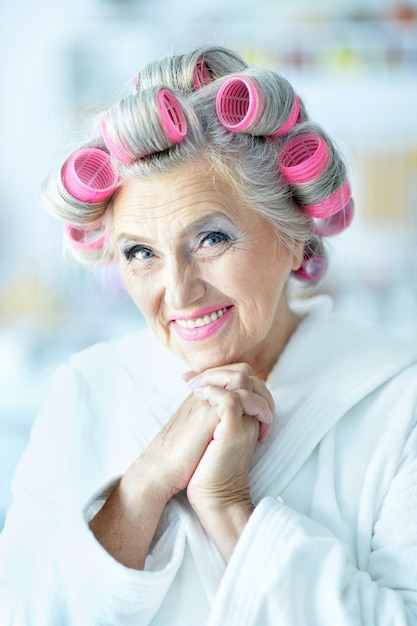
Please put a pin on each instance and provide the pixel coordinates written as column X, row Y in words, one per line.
column 353, row 62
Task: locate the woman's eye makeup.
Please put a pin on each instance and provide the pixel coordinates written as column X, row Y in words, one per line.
column 207, row 239
column 137, row 252
column 214, row 238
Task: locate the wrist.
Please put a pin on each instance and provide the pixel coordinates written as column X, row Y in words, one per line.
column 144, row 482
column 224, row 522
column 127, row 522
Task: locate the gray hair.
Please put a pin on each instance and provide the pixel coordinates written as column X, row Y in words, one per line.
column 249, row 160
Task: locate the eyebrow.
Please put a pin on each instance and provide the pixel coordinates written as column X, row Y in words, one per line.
column 213, row 219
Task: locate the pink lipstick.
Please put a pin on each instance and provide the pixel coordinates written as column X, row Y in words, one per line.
column 202, row 324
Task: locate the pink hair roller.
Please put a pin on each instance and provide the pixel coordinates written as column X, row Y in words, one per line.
column 112, row 145
column 331, row 204
column 201, row 75
column 336, row 223
column 88, row 175
column 313, row 268
column 172, row 122
column 77, row 237
column 291, row 121
column 172, row 116
column 304, row 158
column 238, row 104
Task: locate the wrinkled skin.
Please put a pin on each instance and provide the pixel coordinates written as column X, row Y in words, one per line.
column 190, row 250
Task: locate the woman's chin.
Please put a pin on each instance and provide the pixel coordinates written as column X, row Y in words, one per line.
column 204, row 360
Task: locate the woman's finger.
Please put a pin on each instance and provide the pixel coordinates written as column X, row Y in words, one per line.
column 261, row 389
column 219, row 374
column 233, row 405
column 224, row 378
column 231, row 377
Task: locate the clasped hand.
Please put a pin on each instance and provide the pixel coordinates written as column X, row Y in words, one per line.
column 243, row 413
column 207, row 445
column 206, row 449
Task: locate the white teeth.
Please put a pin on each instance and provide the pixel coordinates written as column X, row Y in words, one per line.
column 201, row 321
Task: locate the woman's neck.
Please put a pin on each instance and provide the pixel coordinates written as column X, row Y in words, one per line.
column 271, row 347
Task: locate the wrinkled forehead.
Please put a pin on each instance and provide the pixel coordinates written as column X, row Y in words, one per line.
column 187, row 192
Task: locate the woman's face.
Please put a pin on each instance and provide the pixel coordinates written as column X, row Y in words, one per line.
column 207, row 272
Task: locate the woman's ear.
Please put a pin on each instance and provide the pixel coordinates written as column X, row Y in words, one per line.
column 298, row 254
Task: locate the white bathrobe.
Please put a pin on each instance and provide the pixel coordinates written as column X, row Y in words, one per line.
column 332, row 540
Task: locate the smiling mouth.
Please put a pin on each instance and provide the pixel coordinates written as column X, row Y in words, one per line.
column 204, row 320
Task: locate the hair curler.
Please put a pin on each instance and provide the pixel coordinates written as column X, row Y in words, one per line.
column 240, row 106
column 304, row 158
column 172, row 117
column 330, row 204
column 291, row 120
column 335, row 223
column 312, row 269
column 201, row 75
column 171, row 121
column 79, row 238
column 88, row 175
column 114, row 149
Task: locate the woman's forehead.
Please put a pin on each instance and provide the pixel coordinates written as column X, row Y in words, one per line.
column 180, row 191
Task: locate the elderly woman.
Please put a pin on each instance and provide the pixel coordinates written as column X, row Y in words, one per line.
column 249, row 459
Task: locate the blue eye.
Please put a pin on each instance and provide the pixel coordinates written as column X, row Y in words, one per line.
column 138, row 252
column 214, row 239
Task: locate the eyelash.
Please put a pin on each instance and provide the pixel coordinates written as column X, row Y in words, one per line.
column 225, row 239
column 130, row 252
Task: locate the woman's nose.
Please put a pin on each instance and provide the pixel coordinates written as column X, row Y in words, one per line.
column 183, row 284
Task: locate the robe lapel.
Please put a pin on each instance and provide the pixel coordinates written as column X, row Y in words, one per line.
column 311, row 395
column 312, row 391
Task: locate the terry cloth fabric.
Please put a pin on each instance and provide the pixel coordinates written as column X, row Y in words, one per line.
column 332, row 540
